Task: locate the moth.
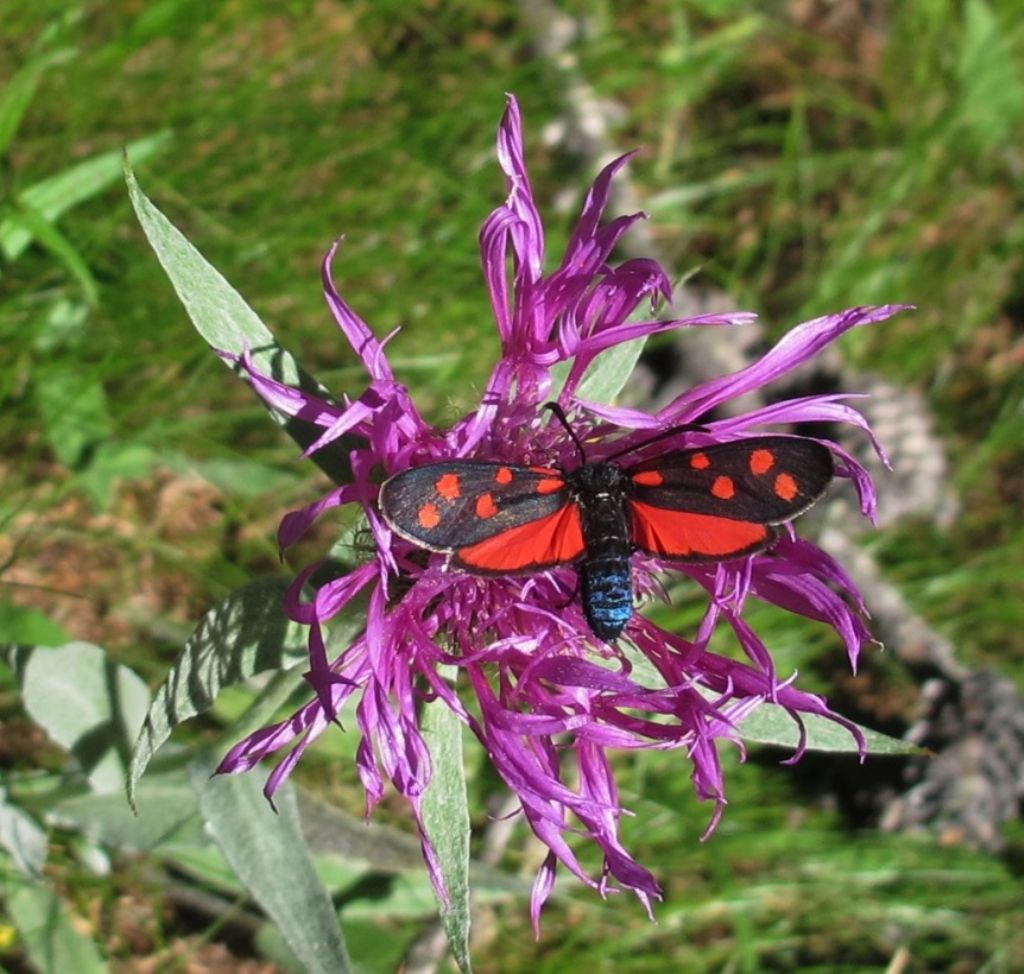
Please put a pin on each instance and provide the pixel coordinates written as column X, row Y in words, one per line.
column 707, row 504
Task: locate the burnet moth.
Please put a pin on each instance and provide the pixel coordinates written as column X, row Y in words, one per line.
column 706, row 504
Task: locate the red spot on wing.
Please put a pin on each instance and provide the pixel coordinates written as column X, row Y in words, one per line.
column 683, row 534
column 786, row 487
column 448, row 486
column 761, row 461
column 550, row 486
column 503, row 476
column 428, row 516
column 648, row 478
column 548, row 540
column 700, row 461
column 723, row 488
column 485, row 506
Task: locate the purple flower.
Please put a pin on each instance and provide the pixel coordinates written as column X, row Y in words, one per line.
column 550, row 699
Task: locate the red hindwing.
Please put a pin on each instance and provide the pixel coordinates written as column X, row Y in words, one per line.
column 685, row 536
column 551, row 540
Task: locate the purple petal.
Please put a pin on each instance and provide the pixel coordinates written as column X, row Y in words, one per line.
column 295, row 524
column 794, row 348
column 628, row 331
column 286, row 399
column 593, row 208
column 527, row 232
column 357, row 331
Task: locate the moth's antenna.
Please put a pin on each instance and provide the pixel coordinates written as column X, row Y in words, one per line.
column 663, row 435
column 563, row 419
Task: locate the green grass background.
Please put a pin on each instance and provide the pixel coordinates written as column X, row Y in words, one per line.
column 807, row 157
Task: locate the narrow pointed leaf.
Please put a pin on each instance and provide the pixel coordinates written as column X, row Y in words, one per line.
column 224, row 319
column 168, row 815
column 54, row 195
column 772, row 724
column 446, row 822
column 605, row 377
column 268, row 854
column 610, row 371
column 218, row 312
column 19, row 90
column 246, row 634
column 29, row 220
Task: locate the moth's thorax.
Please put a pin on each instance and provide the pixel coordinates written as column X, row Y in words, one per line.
column 599, row 489
column 596, row 481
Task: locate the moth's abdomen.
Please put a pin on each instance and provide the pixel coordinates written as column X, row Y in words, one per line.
column 606, row 585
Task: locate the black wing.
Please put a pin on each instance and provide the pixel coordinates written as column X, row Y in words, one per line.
column 718, row 502
column 455, row 504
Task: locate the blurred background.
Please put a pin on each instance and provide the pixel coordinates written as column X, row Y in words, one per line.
column 796, row 158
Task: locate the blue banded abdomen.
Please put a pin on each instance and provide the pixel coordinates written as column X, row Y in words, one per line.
column 607, row 592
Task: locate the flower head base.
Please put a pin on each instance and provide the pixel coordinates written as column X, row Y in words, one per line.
column 550, row 700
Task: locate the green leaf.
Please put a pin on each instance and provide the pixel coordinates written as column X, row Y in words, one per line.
column 113, row 461
column 73, row 407
column 407, row 896
column 268, row 854
column 51, row 239
column 607, row 374
column 218, row 312
column 772, row 724
column 334, row 833
column 236, row 476
column 86, row 702
column 48, row 933
column 206, row 865
column 64, row 325
column 992, row 92
column 22, row 838
column 222, row 317
column 376, row 953
column 246, row 634
column 610, row 371
column 53, row 196
column 18, row 91
column 168, row 816
column 28, row 627
column 446, row 823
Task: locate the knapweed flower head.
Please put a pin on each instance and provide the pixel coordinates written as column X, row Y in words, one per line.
column 546, row 698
